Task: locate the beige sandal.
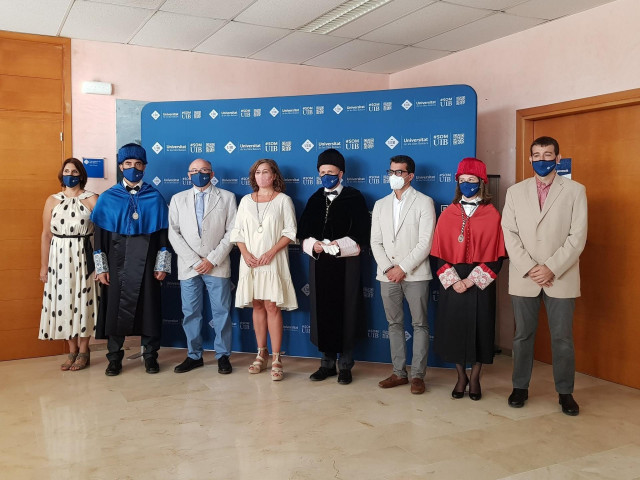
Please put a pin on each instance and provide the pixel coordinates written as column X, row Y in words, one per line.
column 82, row 361
column 277, row 373
column 71, row 357
column 260, row 363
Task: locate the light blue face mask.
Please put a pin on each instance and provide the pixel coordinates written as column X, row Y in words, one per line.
column 329, row 181
column 543, row 167
column 70, row 180
column 133, row 174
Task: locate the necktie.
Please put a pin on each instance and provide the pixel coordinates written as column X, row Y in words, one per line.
column 200, row 211
column 331, row 193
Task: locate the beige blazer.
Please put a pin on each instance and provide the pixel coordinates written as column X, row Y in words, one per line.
column 554, row 237
column 218, row 220
column 410, row 246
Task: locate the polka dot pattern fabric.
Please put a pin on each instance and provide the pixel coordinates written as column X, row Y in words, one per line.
column 69, row 303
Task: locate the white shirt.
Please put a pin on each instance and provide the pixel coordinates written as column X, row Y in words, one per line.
column 338, row 190
column 132, row 192
column 397, row 208
column 470, row 209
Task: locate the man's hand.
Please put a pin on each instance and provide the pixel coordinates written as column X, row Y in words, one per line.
column 317, row 247
column 204, row 266
column 103, row 278
column 395, row 274
column 159, row 275
column 542, row 275
column 459, row 286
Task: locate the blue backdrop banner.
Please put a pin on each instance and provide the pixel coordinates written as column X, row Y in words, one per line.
column 436, row 126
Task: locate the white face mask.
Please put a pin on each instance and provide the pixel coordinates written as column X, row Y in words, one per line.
column 395, row 182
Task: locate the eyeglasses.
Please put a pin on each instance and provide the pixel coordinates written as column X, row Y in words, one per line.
column 202, row 170
column 397, row 173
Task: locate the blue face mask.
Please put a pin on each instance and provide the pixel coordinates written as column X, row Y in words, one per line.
column 329, row 181
column 200, row 179
column 70, row 180
column 133, row 174
column 469, row 189
column 544, row 167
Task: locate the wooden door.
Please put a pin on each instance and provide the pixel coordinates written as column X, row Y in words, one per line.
column 34, row 119
column 602, row 137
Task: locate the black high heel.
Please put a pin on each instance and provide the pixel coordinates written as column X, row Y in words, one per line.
column 456, row 394
column 475, row 396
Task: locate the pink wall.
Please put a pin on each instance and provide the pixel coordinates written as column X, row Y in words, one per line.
column 141, row 73
column 590, row 53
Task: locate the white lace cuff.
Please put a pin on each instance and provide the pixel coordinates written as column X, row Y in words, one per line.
column 163, row 261
column 101, row 262
column 348, row 248
column 448, row 276
column 482, row 276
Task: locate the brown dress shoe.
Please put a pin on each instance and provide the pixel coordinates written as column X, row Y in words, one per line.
column 417, row 386
column 393, row 381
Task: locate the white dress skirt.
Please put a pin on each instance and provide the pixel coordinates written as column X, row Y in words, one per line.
column 260, row 226
column 70, row 294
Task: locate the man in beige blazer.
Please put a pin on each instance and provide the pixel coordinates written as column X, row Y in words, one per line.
column 200, row 222
column 402, row 227
column 545, row 230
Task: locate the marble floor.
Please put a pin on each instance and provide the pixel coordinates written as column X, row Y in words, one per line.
column 202, row 425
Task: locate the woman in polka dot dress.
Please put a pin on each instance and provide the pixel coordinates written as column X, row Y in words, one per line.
column 70, row 296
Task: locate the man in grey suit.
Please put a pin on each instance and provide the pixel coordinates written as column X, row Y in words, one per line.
column 200, row 222
column 402, row 227
column 545, row 230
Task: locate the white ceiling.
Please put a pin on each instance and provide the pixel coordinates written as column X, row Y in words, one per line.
column 399, row 35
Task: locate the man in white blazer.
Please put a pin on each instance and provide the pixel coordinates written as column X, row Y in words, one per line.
column 545, row 230
column 402, row 227
column 200, row 222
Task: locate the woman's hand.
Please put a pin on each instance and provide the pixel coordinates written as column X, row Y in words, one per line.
column 459, row 286
column 103, row 278
column 250, row 259
column 44, row 272
column 266, row 257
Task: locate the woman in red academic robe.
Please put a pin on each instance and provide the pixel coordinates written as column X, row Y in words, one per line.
column 469, row 249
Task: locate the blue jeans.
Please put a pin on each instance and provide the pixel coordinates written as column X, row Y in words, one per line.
column 192, row 293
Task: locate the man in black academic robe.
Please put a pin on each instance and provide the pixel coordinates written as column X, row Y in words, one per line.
column 130, row 252
column 334, row 228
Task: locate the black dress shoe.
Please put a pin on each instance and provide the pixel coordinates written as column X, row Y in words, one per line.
column 188, row 365
column 151, row 365
column 518, row 397
column 113, row 368
column 344, row 377
column 224, row 365
column 322, row 374
column 569, row 405
column 475, row 396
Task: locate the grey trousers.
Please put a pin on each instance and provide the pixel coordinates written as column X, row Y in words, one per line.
column 416, row 294
column 560, row 315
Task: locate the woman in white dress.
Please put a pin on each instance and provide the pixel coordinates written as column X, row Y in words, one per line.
column 66, row 266
column 264, row 227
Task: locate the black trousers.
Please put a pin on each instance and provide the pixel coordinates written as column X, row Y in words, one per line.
column 151, row 346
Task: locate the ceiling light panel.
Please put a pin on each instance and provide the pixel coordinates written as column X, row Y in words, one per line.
column 387, row 13
column 290, row 14
column 343, row 14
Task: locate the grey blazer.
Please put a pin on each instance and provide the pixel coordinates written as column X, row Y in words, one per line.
column 554, row 237
column 410, row 247
column 214, row 244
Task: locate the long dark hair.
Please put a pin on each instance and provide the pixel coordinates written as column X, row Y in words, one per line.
column 81, row 170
